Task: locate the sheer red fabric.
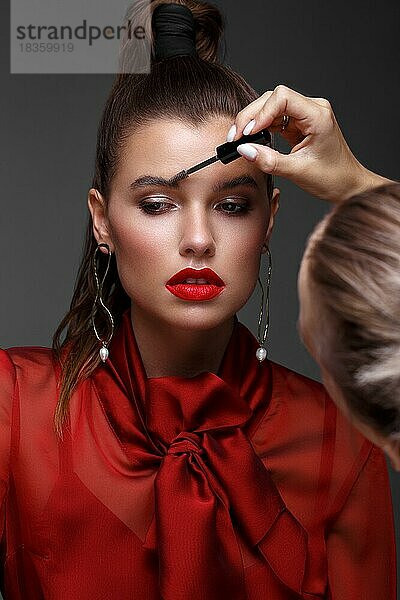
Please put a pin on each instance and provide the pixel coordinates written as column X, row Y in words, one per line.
column 246, row 484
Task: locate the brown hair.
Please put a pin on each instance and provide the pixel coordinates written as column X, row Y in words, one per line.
column 191, row 88
column 354, row 269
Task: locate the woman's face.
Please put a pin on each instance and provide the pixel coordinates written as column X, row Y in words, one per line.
column 314, row 330
column 218, row 218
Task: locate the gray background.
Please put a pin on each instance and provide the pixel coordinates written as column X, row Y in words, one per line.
column 346, row 52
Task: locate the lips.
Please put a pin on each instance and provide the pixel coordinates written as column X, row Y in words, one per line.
column 207, row 275
column 195, row 284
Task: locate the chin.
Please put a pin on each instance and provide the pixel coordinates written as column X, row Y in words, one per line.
column 176, row 314
column 198, row 318
column 195, row 317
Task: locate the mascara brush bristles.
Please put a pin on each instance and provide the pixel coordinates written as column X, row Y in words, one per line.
column 178, row 177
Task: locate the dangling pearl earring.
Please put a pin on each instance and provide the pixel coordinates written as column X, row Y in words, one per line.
column 99, row 300
column 261, row 352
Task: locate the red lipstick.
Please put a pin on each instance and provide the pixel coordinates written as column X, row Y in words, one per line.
column 195, row 284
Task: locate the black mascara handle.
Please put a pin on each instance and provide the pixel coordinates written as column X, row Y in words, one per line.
column 227, row 152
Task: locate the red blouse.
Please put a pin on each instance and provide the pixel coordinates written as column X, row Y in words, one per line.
column 247, row 485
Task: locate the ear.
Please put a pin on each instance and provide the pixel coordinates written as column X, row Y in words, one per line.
column 274, row 209
column 392, row 449
column 101, row 228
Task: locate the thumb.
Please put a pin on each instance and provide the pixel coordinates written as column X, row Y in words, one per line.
column 270, row 160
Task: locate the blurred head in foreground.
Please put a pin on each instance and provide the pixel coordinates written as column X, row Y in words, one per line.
column 349, row 289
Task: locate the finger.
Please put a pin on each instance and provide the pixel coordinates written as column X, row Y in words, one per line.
column 271, row 161
column 323, row 102
column 248, row 113
column 291, row 130
column 285, row 101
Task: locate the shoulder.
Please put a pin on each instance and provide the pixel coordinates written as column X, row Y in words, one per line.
column 296, row 408
column 28, row 354
column 33, row 398
column 7, row 368
column 32, row 366
column 299, row 388
column 23, row 356
column 306, row 442
column 300, row 408
column 297, row 402
column 7, row 386
column 308, row 410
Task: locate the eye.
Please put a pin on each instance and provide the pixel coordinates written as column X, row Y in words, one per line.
column 155, row 206
column 233, row 207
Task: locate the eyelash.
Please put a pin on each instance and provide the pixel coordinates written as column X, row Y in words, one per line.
column 145, row 206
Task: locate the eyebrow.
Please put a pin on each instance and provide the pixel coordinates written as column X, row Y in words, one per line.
column 153, row 180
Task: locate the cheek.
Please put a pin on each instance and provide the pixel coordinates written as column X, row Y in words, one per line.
column 246, row 253
column 140, row 251
column 247, row 241
column 134, row 234
column 131, row 244
column 242, row 260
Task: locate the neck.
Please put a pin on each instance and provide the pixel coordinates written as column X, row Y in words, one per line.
column 168, row 351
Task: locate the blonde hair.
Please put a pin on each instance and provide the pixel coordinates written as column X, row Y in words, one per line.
column 354, row 268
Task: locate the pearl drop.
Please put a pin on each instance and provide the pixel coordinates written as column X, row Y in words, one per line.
column 261, row 354
column 103, row 353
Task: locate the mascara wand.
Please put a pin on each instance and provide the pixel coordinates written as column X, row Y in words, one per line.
column 226, row 153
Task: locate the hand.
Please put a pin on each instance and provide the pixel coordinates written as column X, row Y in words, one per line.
column 320, row 161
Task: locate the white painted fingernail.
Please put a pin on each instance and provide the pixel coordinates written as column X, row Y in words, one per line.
column 231, row 134
column 249, row 127
column 248, row 151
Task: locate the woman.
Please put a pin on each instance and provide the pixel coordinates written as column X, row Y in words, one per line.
column 181, row 466
column 349, row 284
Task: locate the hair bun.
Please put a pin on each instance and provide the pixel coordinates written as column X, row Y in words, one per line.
column 174, row 31
column 208, row 27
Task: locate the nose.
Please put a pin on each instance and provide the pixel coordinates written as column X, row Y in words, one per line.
column 197, row 237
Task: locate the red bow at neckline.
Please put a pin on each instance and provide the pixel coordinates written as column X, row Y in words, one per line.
column 210, row 486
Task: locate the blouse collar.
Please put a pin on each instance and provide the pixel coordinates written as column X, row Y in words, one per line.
column 189, row 439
